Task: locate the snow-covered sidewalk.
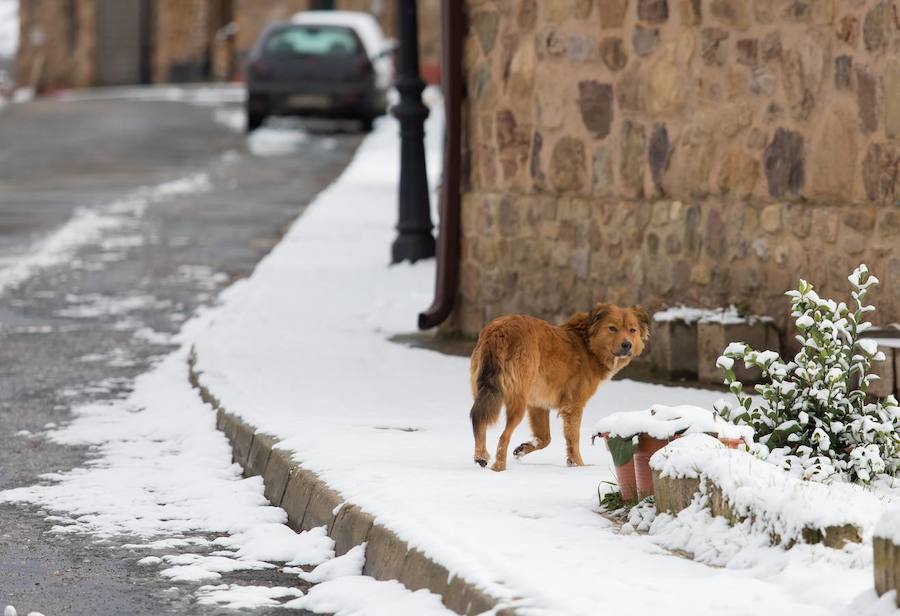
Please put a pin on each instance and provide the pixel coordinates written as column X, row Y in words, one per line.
column 301, row 351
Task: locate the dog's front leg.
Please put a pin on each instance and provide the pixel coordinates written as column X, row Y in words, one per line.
column 571, row 417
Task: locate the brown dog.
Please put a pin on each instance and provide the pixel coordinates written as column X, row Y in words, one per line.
column 522, row 363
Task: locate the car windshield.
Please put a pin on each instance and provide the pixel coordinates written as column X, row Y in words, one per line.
column 312, row 40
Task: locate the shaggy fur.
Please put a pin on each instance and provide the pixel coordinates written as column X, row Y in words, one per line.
column 527, row 364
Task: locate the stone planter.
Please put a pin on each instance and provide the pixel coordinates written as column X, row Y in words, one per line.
column 713, row 337
column 887, row 566
column 673, row 494
column 647, row 446
column 673, row 349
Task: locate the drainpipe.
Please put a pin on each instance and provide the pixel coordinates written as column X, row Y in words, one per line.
column 447, row 280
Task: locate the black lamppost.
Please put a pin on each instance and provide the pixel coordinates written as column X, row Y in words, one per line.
column 414, row 239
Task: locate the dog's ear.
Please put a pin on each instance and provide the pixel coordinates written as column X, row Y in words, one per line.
column 643, row 320
column 598, row 313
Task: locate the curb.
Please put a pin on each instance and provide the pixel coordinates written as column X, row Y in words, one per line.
column 310, row 503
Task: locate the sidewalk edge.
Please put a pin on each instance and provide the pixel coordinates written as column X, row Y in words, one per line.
column 310, row 502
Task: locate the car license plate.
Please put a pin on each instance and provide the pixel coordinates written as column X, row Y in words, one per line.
column 309, row 101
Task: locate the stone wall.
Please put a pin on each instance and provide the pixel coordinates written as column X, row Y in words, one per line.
column 704, row 152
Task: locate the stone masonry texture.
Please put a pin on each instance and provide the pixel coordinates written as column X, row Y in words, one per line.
column 705, row 152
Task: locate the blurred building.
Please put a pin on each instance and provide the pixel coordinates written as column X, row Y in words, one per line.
column 81, row 43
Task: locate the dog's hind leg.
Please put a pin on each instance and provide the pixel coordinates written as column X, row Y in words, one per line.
column 515, row 412
column 571, row 417
column 485, row 411
column 539, row 419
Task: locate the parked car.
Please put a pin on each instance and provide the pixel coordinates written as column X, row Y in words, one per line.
column 335, row 64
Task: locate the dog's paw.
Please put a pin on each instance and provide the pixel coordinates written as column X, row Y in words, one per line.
column 497, row 467
column 480, row 462
column 571, row 462
column 522, row 450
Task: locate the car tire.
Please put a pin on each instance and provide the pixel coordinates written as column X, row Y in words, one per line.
column 367, row 123
column 254, row 120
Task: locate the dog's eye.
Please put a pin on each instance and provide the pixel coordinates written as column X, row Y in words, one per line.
column 633, row 330
column 613, row 328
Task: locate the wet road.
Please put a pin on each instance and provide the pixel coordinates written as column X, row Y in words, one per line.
column 72, row 332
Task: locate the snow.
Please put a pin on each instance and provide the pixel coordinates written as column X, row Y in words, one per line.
column 893, row 343
column 777, row 501
column 363, row 596
column 889, row 525
column 277, row 542
column 275, row 142
column 301, row 350
column 88, row 225
column 9, row 27
column 686, row 314
column 350, row 563
column 203, row 96
column 237, row 597
column 664, row 422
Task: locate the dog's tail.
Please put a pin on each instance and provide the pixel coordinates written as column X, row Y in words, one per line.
column 488, row 398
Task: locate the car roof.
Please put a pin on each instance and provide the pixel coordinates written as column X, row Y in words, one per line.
column 364, row 24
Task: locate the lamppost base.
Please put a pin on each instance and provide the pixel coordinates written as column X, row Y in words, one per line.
column 412, row 247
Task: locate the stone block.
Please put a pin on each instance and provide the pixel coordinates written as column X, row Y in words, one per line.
column 673, row 350
column 220, row 420
column 229, row 426
column 464, row 598
column 887, row 566
column 351, row 528
column 672, row 495
column 277, row 475
column 718, row 504
column 296, row 496
column 385, row 554
column 832, row 536
column 241, row 443
column 420, row 572
column 886, row 371
column 320, row 510
column 258, row 457
column 713, row 337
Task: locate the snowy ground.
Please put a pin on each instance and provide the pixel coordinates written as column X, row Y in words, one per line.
column 9, row 27
column 161, row 476
column 301, row 350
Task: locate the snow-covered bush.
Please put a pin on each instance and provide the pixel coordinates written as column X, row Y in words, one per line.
column 813, row 416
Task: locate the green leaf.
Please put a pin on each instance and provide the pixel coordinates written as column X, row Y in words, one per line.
column 622, row 449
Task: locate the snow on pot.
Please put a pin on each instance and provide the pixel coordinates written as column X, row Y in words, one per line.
column 633, row 437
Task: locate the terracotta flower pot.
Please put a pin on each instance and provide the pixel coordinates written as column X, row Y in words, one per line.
column 731, row 443
column 625, row 476
column 647, row 446
column 627, row 482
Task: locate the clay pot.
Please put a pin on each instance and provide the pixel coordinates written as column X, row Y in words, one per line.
column 647, row 446
column 627, row 482
column 731, row 443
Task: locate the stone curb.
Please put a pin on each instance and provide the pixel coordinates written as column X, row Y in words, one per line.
column 309, row 503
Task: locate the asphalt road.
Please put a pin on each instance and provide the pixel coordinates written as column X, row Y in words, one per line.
column 56, row 159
